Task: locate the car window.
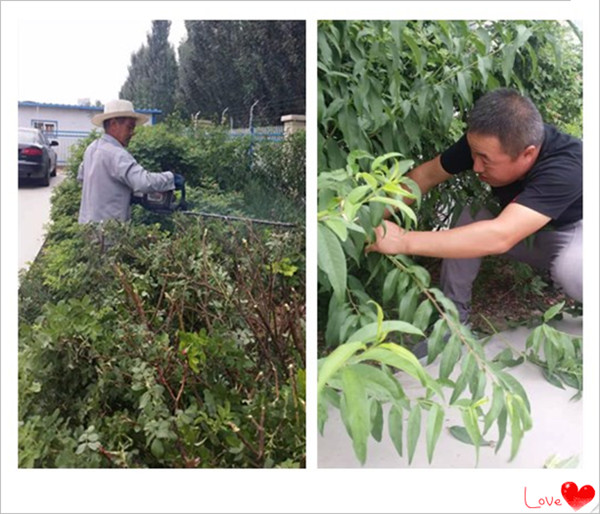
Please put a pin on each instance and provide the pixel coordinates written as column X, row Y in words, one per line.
column 28, row 136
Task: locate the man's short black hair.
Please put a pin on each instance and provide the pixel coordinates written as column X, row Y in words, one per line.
column 509, row 116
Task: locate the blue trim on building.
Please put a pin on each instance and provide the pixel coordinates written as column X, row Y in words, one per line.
column 153, row 112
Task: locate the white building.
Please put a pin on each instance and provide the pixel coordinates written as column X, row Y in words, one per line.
column 66, row 123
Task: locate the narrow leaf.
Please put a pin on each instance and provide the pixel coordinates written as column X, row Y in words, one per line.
column 355, row 411
column 450, row 356
column 395, row 428
column 331, row 259
column 413, row 431
column 376, row 420
column 434, row 428
column 553, row 311
column 368, row 333
column 502, row 418
column 463, row 436
column 335, row 360
column 495, row 408
column 376, row 164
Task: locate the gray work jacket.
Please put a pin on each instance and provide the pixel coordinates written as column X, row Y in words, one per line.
column 110, row 174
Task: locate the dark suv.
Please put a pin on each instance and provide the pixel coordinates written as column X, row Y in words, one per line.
column 37, row 158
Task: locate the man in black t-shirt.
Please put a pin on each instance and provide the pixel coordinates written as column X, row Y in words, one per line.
column 535, row 172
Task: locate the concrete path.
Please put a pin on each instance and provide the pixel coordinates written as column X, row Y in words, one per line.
column 34, row 213
column 557, row 424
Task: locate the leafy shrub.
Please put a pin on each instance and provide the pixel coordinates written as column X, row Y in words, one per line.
column 373, row 310
column 270, row 178
column 391, row 94
column 407, row 86
column 173, row 344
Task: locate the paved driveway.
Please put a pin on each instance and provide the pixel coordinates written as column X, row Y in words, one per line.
column 34, row 213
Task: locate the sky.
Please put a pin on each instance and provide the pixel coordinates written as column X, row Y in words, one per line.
column 80, row 59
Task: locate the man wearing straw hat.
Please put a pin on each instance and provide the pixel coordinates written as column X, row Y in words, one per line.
column 110, row 174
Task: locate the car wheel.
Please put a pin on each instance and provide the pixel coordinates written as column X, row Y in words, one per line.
column 53, row 173
column 46, row 178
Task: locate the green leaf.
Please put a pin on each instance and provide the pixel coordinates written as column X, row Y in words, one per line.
column 390, row 358
column 534, row 339
column 495, row 408
column 434, row 428
column 389, row 285
column 402, row 352
column 523, row 34
column 524, row 414
column 550, row 354
column 423, row 314
column 376, row 420
column 435, row 342
column 368, row 333
column 553, row 311
column 408, row 304
column 516, row 430
column 377, row 163
column 413, row 430
column 379, row 384
column 514, row 386
column 450, row 356
column 395, row 427
column 335, row 360
column 400, row 204
column 338, row 226
column 469, row 369
column 331, row 260
column 400, row 168
column 357, row 195
column 469, row 417
column 464, row 87
column 508, row 61
column 460, row 433
column 355, row 155
column 502, row 418
column 355, row 411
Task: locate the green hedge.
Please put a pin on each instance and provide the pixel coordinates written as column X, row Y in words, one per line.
column 181, row 344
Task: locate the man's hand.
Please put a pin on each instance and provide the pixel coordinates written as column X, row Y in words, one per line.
column 390, row 239
column 178, row 180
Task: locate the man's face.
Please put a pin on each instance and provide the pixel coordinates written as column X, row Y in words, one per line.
column 493, row 165
column 122, row 130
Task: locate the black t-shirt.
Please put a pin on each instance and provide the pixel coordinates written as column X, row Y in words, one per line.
column 553, row 186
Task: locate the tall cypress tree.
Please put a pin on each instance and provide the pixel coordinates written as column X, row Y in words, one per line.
column 226, row 66
column 152, row 79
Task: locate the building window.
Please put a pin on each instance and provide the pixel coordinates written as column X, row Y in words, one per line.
column 47, row 127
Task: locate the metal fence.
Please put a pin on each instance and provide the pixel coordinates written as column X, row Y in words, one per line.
column 274, row 133
column 68, row 138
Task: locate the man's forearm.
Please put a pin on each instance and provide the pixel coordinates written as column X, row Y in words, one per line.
column 475, row 240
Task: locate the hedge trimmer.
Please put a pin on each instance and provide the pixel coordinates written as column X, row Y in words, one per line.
column 165, row 202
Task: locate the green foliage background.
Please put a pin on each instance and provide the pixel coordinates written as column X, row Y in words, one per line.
column 403, row 86
column 393, row 94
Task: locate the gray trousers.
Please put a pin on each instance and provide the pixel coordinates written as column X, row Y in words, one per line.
column 559, row 251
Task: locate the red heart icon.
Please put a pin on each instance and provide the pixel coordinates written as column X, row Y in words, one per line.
column 575, row 497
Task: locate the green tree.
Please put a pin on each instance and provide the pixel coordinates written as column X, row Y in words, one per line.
column 407, row 87
column 152, row 79
column 226, row 66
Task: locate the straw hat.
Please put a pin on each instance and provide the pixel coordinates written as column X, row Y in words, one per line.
column 118, row 109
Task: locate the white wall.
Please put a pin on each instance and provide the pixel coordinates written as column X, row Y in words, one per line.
column 73, row 124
